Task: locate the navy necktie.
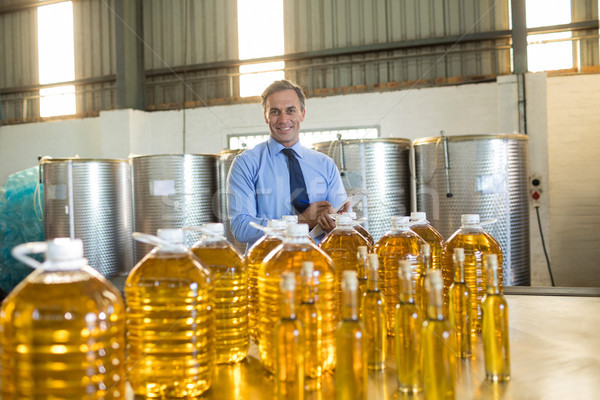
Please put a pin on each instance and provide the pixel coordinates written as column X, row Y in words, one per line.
column 298, row 193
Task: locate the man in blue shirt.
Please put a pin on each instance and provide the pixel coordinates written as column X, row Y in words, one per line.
column 259, row 181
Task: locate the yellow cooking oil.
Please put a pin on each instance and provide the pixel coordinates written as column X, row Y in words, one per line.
column 362, row 275
column 170, row 321
column 423, row 228
column 494, row 332
column 359, row 228
column 476, row 242
column 351, row 370
column 407, row 339
column 289, row 345
column 254, row 258
column 341, row 244
column 311, row 318
column 460, row 306
column 438, row 345
column 288, row 257
column 62, row 329
column 230, row 278
column 375, row 318
column 399, row 243
column 420, row 294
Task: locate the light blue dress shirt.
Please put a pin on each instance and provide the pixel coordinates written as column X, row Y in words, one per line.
column 258, row 186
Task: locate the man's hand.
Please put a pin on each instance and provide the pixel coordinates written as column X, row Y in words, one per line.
column 318, row 213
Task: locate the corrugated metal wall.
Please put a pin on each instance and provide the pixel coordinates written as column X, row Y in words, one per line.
column 199, row 34
column 359, row 26
column 331, row 46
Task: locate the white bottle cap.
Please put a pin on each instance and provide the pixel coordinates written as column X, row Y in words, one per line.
column 343, row 220
column 434, row 279
column 417, row 216
column 405, row 270
column 350, row 281
column 426, row 249
column 400, row 222
column 277, row 224
column 491, row 261
column 288, row 281
column 459, row 254
column 214, row 228
column 290, row 218
column 362, row 251
column 173, row 236
column 351, row 214
column 469, row 219
column 297, row 230
column 307, row 269
column 64, row 249
column 372, row 261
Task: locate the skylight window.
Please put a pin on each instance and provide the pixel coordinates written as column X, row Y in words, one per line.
column 56, row 58
column 260, row 34
column 547, row 51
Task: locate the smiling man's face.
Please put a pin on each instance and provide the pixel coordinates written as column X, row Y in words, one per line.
column 283, row 115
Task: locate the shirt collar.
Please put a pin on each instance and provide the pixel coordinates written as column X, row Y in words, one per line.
column 276, row 147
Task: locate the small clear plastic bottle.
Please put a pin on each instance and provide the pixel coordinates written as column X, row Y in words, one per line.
column 460, row 300
column 359, row 228
column 400, row 243
column 62, row 329
column 420, row 293
column 311, row 318
column 289, row 345
column 407, row 339
column 495, row 325
column 375, row 318
column 170, row 320
column 288, row 257
column 351, row 370
column 423, row 228
column 476, row 242
column 230, row 277
column 439, row 362
column 273, row 237
column 341, row 244
column 363, row 275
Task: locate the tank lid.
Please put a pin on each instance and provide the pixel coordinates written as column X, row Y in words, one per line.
column 64, row 249
column 469, row 219
column 397, row 141
column 214, row 228
column 173, row 236
column 452, row 138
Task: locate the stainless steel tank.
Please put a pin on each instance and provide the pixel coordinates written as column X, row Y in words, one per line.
column 90, row 199
column 381, row 166
column 173, row 191
column 479, row 174
column 224, row 160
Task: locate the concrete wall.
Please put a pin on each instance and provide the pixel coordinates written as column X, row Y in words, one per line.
column 562, row 123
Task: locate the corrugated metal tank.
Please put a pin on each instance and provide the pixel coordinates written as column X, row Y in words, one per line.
column 91, row 200
column 479, row 174
column 224, row 160
column 173, row 191
column 381, row 166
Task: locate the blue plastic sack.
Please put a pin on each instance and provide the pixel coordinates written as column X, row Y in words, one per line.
column 19, row 223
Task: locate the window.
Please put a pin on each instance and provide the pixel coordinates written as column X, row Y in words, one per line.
column 260, row 34
column 56, row 58
column 307, row 138
column 549, row 51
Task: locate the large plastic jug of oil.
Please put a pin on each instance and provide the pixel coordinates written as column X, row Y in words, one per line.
column 230, row 275
column 273, row 237
column 62, row 328
column 170, row 320
column 399, row 243
column 341, row 244
column 288, row 257
column 422, row 227
column 476, row 242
